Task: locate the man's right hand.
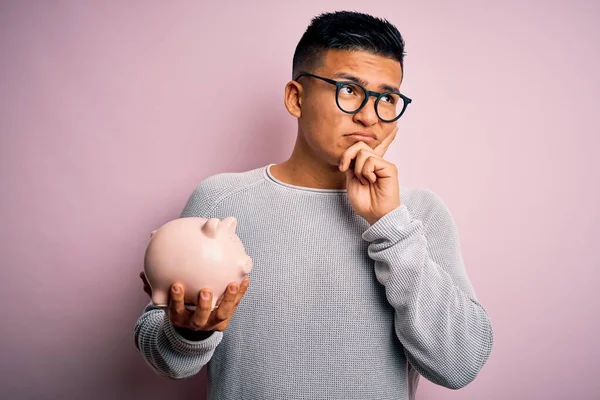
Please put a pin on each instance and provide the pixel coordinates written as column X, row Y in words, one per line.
column 204, row 318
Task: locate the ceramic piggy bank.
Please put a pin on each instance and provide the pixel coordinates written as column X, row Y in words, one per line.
column 198, row 253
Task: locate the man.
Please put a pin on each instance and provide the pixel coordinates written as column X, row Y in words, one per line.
column 358, row 285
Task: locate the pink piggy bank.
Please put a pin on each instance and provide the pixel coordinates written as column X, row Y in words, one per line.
column 198, row 253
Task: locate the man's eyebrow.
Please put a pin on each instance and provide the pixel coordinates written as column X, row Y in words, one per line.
column 384, row 87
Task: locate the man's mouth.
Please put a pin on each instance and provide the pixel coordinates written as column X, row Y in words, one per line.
column 361, row 137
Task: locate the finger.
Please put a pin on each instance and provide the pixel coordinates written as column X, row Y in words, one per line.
column 359, row 163
column 219, row 300
column 176, row 305
column 382, row 147
column 203, row 310
column 242, row 291
column 227, row 304
column 376, row 168
column 369, row 168
column 351, row 153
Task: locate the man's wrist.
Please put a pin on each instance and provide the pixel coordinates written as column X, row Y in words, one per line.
column 192, row 335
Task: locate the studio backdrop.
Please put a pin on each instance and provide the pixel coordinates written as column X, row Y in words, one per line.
column 111, row 112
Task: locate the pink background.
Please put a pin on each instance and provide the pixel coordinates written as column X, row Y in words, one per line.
column 112, row 112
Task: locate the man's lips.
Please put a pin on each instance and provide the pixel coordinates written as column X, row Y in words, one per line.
column 364, row 136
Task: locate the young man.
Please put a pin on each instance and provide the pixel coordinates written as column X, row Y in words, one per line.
column 358, row 285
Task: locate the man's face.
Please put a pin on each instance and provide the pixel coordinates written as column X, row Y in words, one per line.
column 324, row 126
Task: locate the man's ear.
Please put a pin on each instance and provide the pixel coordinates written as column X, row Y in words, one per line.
column 293, row 98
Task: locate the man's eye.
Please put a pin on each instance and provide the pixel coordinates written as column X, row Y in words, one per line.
column 388, row 98
column 348, row 90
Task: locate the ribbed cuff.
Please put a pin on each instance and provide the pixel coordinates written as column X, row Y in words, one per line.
column 390, row 226
column 186, row 346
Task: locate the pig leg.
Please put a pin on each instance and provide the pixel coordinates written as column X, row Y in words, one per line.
column 160, row 298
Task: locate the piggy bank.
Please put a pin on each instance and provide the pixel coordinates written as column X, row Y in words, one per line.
column 198, row 253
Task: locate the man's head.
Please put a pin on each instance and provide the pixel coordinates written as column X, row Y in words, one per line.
column 346, row 30
column 344, row 46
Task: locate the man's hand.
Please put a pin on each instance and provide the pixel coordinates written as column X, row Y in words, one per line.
column 371, row 182
column 204, row 318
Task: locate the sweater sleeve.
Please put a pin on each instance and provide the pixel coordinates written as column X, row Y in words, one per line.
column 168, row 353
column 446, row 333
column 165, row 350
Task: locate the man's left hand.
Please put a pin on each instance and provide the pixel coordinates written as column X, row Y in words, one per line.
column 371, row 182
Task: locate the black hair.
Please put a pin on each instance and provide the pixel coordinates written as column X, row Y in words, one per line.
column 347, row 30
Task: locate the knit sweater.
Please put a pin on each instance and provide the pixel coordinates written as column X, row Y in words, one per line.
column 336, row 308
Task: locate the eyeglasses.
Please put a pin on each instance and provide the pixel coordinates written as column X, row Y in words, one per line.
column 351, row 97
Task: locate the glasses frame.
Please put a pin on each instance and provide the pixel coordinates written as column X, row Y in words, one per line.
column 368, row 93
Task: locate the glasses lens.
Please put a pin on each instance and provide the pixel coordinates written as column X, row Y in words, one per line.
column 350, row 97
column 390, row 105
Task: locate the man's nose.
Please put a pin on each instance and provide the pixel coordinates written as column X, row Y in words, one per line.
column 367, row 115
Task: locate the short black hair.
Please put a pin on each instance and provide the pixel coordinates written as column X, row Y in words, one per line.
column 347, row 30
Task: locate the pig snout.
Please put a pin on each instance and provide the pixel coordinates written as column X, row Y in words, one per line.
column 246, row 265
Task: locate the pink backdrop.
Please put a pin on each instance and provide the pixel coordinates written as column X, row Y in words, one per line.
column 112, row 112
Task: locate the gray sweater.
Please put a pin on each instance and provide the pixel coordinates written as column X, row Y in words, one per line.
column 336, row 308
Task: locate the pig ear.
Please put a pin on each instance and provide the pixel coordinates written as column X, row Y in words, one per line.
column 210, row 227
column 230, row 223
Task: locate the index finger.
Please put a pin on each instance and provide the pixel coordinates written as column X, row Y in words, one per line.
column 242, row 290
column 385, row 143
column 350, row 154
column 228, row 303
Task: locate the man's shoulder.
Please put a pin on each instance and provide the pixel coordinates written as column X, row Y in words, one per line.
column 227, row 182
column 217, row 187
column 419, row 195
column 423, row 202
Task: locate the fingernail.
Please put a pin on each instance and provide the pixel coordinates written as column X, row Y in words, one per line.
column 205, row 295
column 233, row 289
column 176, row 289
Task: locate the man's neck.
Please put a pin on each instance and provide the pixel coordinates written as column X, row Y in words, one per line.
column 302, row 169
